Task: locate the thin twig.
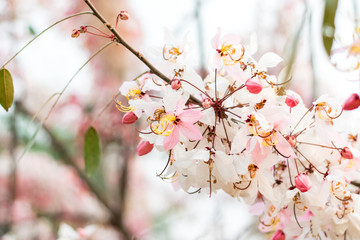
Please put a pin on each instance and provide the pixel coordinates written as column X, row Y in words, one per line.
column 121, row 41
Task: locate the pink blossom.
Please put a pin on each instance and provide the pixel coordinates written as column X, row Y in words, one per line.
column 302, row 182
column 129, row 118
column 352, row 102
column 253, row 85
column 183, row 122
column 144, row 147
column 292, row 101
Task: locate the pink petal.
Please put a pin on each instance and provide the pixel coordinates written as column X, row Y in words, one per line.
column 259, row 153
column 284, row 147
column 171, row 140
column 191, row 115
column 190, row 131
column 215, row 40
column 180, row 106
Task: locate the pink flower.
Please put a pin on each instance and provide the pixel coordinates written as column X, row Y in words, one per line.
column 292, row 101
column 302, row 182
column 129, row 118
column 352, row 102
column 253, row 85
column 346, row 153
column 278, row 235
column 183, row 121
column 144, row 147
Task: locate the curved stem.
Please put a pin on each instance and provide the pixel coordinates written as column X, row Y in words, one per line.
column 71, row 16
column 121, row 41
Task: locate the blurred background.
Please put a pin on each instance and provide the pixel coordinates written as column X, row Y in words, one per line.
column 44, row 186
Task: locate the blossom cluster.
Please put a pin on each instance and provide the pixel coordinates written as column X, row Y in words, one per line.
column 239, row 130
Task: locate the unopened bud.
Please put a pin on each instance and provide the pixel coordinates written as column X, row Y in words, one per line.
column 124, row 15
column 292, row 140
column 75, row 33
column 129, row 118
column 206, row 103
column 144, row 147
column 253, row 85
column 352, row 102
column 278, row 235
column 292, row 101
column 302, row 182
column 83, row 29
column 346, row 153
column 175, row 84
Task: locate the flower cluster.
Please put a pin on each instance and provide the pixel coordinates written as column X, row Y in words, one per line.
column 239, row 131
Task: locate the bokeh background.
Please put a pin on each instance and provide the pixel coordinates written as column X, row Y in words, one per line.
column 42, row 187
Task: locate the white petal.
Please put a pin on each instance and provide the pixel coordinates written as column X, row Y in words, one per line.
column 269, row 59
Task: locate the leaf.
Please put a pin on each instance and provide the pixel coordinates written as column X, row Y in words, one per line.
column 91, row 151
column 6, row 89
column 328, row 27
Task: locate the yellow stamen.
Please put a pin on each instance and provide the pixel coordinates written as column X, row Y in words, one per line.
column 134, row 93
column 123, row 108
column 165, row 126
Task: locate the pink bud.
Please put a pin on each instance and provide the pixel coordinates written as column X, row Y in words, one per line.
column 175, row 84
column 292, row 101
column 124, row 15
column 278, row 235
column 352, row 102
column 346, row 153
column 292, row 140
column 253, row 85
column 144, row 147
column 302, row 182
column 206, row 103
column 129, row 118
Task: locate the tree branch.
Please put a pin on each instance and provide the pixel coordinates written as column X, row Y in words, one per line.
column 121, row 41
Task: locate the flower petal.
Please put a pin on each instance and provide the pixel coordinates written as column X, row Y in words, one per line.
column 284, row 147
column 191, row 116
column 190, row 131
column 171, row 140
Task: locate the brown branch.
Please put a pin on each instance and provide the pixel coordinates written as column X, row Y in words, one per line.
column 116, row 219
column 121, row 41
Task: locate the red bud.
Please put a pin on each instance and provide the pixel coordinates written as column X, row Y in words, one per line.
column 144, row 147
column 175, row 84
column 129, row 118
column 253, row 85
column 278, row 235
column 346, row 153
column 292, row 101
column 302, row 182
column 352, row 102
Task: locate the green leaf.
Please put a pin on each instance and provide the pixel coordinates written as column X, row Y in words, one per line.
column 6, row 89
column 91, row 151
column 328, row 27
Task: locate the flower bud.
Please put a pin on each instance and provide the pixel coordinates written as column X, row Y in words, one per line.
column 124, row 15
column 352, row 102
column 175, row 84
column 292, row 101
column 75, row 33
column 292, row 140
column 278, row 235
column 129, row 118
column 206, row 103
column 253, row 85
column 346, row 153
column 302, row 182
column 83, row 29
column 144, row 147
